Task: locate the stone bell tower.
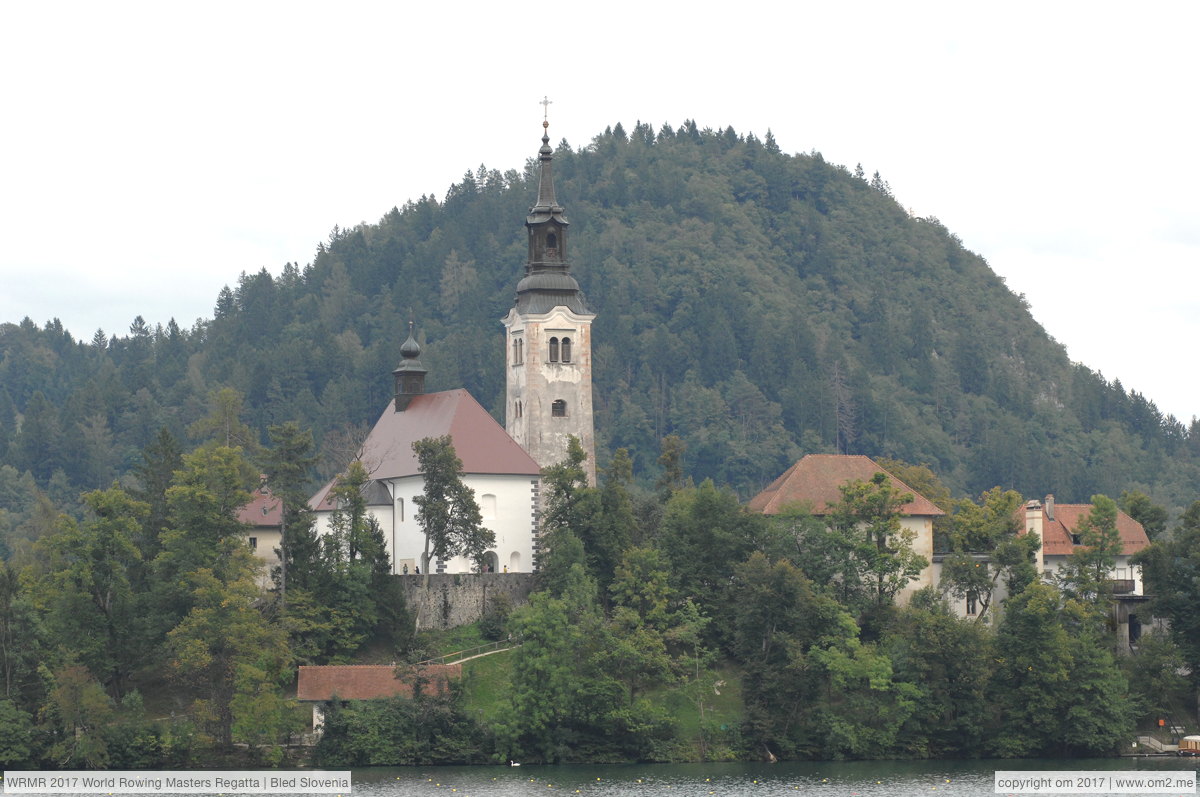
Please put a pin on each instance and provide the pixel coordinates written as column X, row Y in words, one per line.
column 548, row 335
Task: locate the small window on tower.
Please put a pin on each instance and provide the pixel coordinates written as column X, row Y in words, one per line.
column 552, row 241
column 553, row 350
column 558, row 409
column 566, row 350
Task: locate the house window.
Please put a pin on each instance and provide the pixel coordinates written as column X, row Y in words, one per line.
column 553, row 350
column 1075, row 539
column 558, row 409
column 254, row 543
column 566, row 350
column 972, row 603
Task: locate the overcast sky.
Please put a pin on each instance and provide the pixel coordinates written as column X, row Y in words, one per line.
column 151, row 152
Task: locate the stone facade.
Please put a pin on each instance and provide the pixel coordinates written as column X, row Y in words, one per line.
column 452, row 600
column 549, row 397
column 548, row 337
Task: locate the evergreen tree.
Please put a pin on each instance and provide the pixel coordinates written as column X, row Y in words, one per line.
column 288, row 464
column 446, row 508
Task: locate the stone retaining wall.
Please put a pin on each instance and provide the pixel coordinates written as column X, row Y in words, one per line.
column 457, row 599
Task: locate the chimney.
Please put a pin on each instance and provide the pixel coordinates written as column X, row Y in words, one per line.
column 1033, row 525
column 1050, row 506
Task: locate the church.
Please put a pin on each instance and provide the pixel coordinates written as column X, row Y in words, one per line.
column 548, row 399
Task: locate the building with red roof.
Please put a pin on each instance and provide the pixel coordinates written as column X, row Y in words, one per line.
column 503, row 477
column 321, row 685
column 263, row 518
column 1058, row 527
column 815, row 483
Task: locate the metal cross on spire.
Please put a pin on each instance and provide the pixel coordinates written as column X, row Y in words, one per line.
column 545, row 103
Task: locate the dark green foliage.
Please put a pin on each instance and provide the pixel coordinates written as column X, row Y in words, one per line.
column 494, row 623
column 949, row 661
column 1171, row 568
column 1139, row 507
column 428, row 729
column 288, row 464
column 1057, row 688
column 16, row 737
column 739, row 292
column 353, row 595
column 704, row 534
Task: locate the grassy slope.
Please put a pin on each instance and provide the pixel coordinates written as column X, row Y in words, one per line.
column 488, row 681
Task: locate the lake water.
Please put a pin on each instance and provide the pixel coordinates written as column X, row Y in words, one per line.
column 826, row 779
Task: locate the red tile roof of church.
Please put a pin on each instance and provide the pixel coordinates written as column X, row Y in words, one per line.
column 480, row 442
column 815, row 480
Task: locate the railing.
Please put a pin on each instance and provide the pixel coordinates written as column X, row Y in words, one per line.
column 470, row 653
column 1122, row 586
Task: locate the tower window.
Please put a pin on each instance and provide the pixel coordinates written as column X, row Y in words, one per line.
column 552, row 241
column 553, row 350
column 517, row 409
column 566, row 350
column 558, row 409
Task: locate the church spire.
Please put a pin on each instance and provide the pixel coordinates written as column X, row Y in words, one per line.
column 548, row 282
column 546, row 203
column 410, row 374
column 549, row 338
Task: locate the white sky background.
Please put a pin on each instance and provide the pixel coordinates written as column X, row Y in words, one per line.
column 151, row 152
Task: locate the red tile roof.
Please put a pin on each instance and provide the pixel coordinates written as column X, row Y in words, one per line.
column 264, row 509
column 815, row 480
column 1056, row 534
column 368, row 681
column 480, row 442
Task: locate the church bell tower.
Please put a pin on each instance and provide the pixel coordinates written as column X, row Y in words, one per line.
column 548, row 333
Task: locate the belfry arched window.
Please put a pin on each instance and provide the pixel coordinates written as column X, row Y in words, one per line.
column 551, row 241
column 566, row 350
column 553, row 350
column 558, row 409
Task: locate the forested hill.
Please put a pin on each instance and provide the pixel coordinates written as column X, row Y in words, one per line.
column 760, row 305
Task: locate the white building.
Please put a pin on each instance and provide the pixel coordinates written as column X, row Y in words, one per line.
column 502, row 476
